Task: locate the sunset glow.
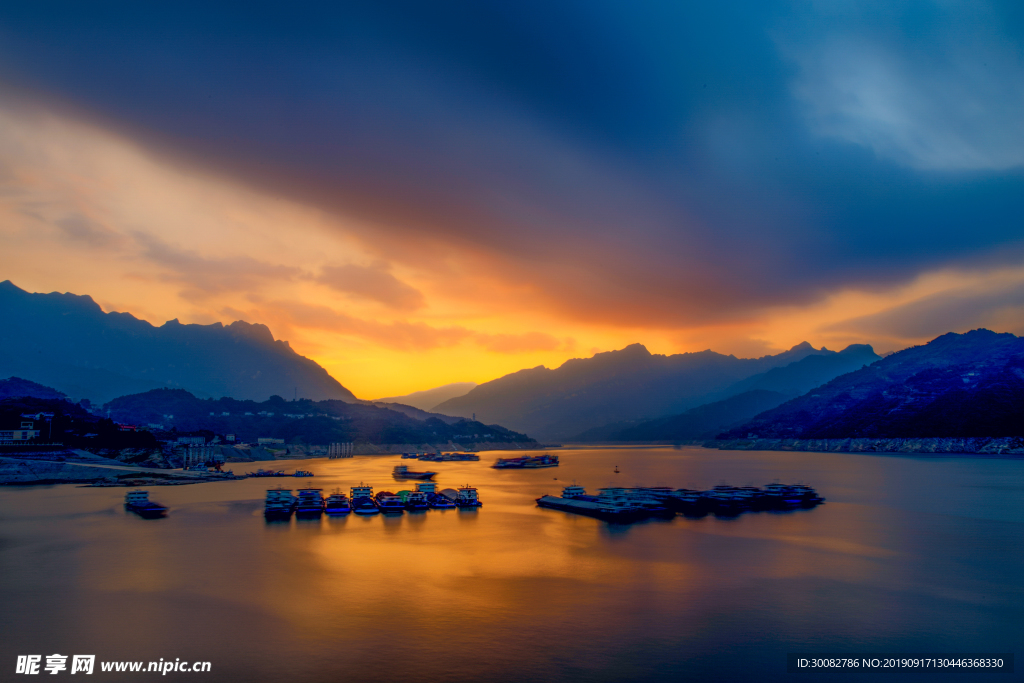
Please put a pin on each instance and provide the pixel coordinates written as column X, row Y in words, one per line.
column 466, row 254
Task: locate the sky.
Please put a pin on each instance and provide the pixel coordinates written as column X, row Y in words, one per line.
column 421, row 193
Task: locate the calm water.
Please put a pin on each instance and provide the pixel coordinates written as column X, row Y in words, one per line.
column 908, row 554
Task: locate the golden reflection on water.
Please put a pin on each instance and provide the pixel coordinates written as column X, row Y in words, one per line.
column 513, row 591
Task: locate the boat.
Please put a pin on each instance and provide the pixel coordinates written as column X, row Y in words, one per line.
column 416, row 500
column 467, row 498
column 302, row 473
column 526, row 462
column 729, row 501
column 438, row 501
column 403, row 472
column 447, row 457
column 389, row 503
column 337, row 504
column 266, row 473
column 310, row 503
column 138, row 501
column 362, row 500
column 280, row 504
column 611, row 505
column 434, row 499
column 648, row 501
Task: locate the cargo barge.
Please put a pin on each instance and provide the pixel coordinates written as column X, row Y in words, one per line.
column 138, row 501
column 612, row 504
column 403, row 472
column 528, row 462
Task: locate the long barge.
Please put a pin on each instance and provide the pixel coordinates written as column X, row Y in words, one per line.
column 527, row 462
column 615, row 504
column 612, row 504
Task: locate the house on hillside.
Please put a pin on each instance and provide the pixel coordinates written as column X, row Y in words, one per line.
column 24, row 433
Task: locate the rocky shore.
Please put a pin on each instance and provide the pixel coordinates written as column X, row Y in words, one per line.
column 94, row 470
column 969, row 445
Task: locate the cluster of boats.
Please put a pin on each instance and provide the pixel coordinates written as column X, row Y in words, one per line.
column 619, row 504
column 278, row 473
column 309, row 502
column 441, row 457
column 526, row 462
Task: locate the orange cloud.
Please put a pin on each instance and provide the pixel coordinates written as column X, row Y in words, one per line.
column 374, row 283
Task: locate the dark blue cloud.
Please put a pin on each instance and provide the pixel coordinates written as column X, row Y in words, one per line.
column 642, row 162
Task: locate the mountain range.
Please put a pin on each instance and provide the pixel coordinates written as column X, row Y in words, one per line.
column 747, row 398
column 957, row 385
column 633, row 385
column 67, row 342
column 301, row 421
column 428, row 399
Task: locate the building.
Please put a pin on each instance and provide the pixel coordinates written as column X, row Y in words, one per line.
column 340, row 450
column 25, row 432
column 266, row 441
column 192, row 440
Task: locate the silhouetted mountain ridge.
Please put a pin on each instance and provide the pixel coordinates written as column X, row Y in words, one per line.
column 627, row 384
column 745, row 399
column 68, row 342
column 316, row 422
column 428, row 398
column 957, row 385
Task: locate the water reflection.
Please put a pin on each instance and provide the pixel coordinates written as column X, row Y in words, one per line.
column 907, row 554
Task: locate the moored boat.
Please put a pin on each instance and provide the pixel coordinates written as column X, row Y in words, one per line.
column 467, row 498
column 280, row 504
column 337, row 504
column 362, row 500
column 434, row 499
column 416, row 500
column 611, row 505
column 389, row 503
column 310, row 503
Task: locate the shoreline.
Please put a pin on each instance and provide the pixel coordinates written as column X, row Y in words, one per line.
column 987, row 446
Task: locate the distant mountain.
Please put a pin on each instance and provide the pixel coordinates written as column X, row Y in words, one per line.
column 16, row 387
column 810, row 372
column 702, row 422
column 68, row 342
column 415, row 412
column 758, row 393
column 429, row 398
column 302, row 421
column 628, row 384
column 958, row 385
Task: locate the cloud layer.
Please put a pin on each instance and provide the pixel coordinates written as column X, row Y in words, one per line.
column 514, row 178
